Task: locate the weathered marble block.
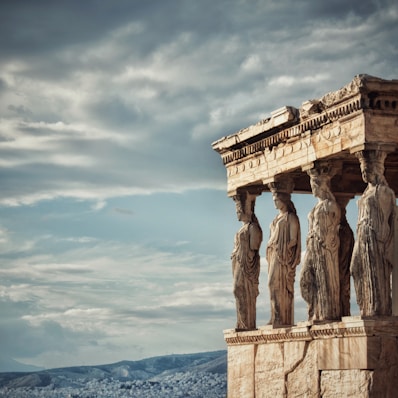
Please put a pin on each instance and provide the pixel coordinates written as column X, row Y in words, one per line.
column 352, row 358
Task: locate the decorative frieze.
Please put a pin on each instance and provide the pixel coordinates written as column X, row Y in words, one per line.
column 307, row 331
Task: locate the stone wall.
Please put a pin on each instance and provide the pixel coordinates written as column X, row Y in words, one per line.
column 352, row 358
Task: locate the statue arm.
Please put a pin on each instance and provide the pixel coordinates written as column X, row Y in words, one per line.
column 332, row 226
column 294, row 230
column 386, row 229
column 310, row 225
column 294, row 245
column 255, row 236
column 234, row 256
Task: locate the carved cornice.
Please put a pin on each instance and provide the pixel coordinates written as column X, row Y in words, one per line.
column 233, row 338
column 306, row 331
column 311, row 123
column 363, row 93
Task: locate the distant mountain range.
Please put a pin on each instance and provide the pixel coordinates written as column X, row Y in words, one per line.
column 8, row 364
column 154, row 369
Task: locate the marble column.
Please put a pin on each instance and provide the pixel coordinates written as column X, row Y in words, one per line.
column 372, row 258
column 320, row 278
column 283, row 253
column 246, row 261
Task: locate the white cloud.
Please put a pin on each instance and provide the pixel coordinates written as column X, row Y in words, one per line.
column 99, row 205
column 252, row 63
column 210, row 295
column 289, row 81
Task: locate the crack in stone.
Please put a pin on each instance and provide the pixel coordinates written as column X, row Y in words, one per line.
column 295, row 366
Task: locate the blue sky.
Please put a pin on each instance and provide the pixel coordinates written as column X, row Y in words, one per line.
column 115, row 227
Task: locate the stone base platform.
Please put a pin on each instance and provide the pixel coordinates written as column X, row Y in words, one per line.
column 356, row 357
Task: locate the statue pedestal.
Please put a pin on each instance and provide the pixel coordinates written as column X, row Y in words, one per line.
column 355, row 357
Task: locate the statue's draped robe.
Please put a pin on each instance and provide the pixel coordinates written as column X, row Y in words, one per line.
column 282, row 261
column 319, row 282
column 345, row 253
column 371, row 263
column 246, row 271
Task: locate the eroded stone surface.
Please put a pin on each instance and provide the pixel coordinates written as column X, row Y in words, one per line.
column 349, row 353
column 301, row 375
column 241, row 361
column 354, row 383
column 269, row 374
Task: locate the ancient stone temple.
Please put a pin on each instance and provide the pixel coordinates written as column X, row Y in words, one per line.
column 342, row 145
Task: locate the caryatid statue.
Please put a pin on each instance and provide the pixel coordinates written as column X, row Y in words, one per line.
column 283, row 254
column 246, row 261
column 371, row 263
column 319, row 280
column 345, row 253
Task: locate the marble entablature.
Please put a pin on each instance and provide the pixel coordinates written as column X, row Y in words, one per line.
column 361, row 115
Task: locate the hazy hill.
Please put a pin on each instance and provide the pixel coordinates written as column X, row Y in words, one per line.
column 163, row 372
column 10, row 365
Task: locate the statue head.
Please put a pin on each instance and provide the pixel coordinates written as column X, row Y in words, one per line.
column 281, row 189
column 245, row 206
column 320, row 176
column 283, row 202
column 372, row 166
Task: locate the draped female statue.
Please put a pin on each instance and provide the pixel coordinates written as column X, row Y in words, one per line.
column 283, row 255
column 246, row 262
column 319, row 280
column 346, row 237
column 371, row 263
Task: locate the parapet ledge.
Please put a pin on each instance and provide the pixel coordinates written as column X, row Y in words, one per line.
column 309, row 330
